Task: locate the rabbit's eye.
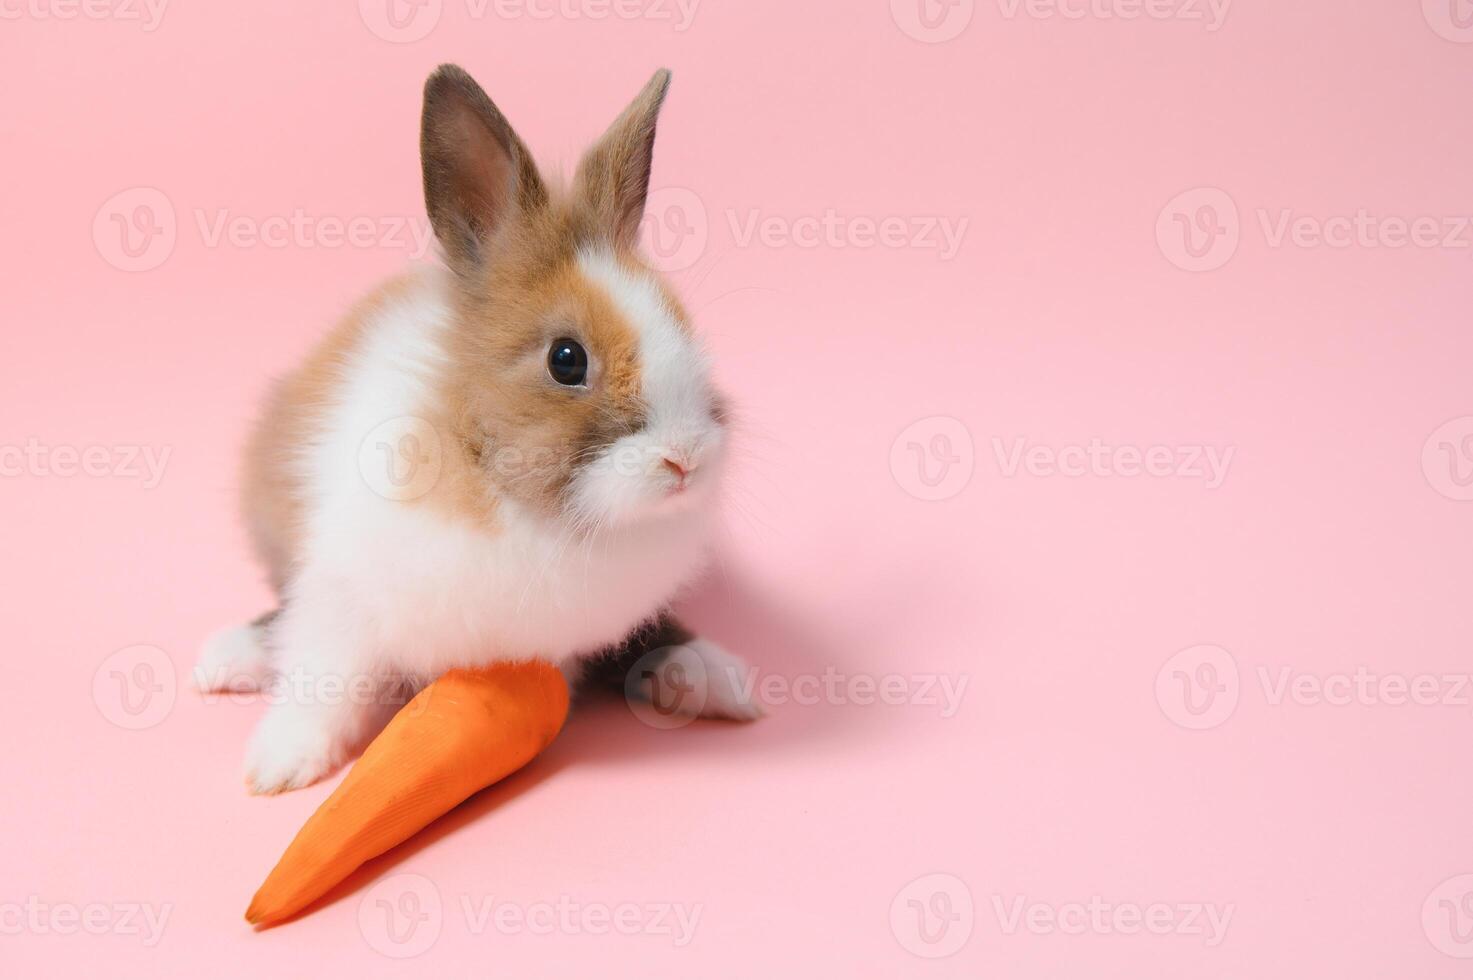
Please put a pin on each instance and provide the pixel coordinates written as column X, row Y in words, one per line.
column 567, row 362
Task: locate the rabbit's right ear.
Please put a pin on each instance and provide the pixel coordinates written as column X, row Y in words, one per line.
column 477, row 172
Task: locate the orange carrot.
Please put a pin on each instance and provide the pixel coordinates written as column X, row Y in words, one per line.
column 464, row 732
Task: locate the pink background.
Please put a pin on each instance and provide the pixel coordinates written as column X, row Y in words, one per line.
column 1334, row 542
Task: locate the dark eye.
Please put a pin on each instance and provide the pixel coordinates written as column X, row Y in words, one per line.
column 567, row 362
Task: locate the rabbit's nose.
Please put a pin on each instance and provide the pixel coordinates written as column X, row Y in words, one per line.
column 679, row 467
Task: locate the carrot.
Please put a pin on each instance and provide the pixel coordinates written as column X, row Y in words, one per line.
column 460, row 734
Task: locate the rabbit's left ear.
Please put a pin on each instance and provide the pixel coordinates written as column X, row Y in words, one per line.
column 477, row 172
column 614, row 175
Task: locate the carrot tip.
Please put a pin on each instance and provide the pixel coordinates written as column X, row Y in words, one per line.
column 463, row 732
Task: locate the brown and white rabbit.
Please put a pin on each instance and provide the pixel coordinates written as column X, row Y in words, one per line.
column 563, row 443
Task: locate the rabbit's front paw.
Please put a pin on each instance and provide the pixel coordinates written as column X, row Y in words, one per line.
column 724, row 682
column 288, row 753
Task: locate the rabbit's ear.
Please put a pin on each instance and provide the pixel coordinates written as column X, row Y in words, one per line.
column 614, row 176
column 477, row 172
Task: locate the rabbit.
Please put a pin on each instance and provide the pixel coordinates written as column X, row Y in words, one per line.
column 555, row 448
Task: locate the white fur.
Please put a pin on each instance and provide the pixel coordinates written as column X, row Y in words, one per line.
column 631, row 474
column 233, row 659
column 393, row 591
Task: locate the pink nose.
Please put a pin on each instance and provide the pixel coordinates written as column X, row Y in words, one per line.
column 674, row 467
